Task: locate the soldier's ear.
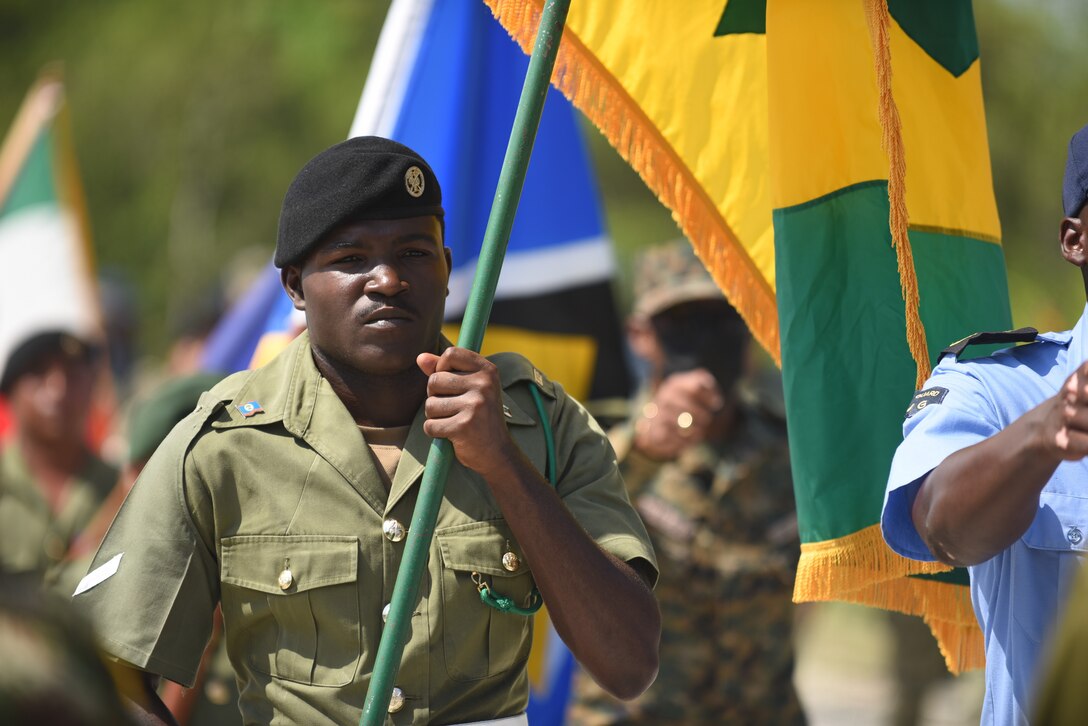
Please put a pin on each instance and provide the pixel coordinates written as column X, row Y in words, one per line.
column 291, row 279
column 448, row 253
column 1074, row 238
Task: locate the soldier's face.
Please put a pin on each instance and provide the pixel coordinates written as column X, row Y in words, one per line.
column 52, row 402
column 374, row 293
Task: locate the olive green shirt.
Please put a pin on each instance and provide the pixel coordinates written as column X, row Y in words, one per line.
column 230, row 502
column 33, row 537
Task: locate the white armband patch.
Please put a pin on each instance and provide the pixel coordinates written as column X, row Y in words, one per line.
column 99, row 574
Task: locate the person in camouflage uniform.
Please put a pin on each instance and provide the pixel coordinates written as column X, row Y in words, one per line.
column 706, row 463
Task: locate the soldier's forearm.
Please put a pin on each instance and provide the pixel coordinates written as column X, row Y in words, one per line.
column 600, row 606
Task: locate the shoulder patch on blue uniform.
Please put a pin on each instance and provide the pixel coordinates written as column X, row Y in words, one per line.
column 926, row 397
column 1020, row 335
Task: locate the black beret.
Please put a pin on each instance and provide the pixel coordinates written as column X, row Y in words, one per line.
column 1075, row 184
column 364, row 178
column 33, row 352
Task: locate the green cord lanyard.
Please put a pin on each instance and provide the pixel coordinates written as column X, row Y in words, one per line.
column 488, row 596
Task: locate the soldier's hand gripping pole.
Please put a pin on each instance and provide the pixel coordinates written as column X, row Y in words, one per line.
column 440, row 456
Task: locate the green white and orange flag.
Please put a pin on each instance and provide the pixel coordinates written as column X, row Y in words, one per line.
column 829, row 163
column 45, row 250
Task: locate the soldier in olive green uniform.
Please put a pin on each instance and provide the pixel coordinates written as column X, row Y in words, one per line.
column 51, row 484
column 286, row 495
column 707, row 466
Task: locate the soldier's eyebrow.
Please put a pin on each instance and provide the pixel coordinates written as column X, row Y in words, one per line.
column 416, row 237
column 335, row 242
column 341, row 243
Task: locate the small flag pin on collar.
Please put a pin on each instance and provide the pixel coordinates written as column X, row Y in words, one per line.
column 251, row 408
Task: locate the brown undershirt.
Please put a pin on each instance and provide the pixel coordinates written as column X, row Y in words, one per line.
column 386, row 446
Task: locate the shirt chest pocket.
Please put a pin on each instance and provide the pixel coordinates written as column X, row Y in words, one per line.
column 1056, row 544
column 1061, row 524
column 480, row 641
column 291, row 605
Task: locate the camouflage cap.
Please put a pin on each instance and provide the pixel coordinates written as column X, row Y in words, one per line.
column 669, row 274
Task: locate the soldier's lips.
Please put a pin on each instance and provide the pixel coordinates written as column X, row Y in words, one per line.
column 387, row 317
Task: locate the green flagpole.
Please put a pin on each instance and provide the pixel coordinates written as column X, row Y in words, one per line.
column 440, row 456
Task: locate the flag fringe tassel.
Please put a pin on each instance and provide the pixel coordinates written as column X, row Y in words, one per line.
column 840, row 569
column 843, row 569
column 579, row 76
column 876, row 15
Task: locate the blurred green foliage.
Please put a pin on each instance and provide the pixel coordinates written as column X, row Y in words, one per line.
column 191, row 118
column 189, row 121
column 1035, row 87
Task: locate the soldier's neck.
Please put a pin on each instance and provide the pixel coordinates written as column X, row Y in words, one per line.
column 381, row 401
column 52, row 464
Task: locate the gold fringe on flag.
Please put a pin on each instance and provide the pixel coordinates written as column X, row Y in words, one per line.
column 580, row 77
column 861, row 568
column 876, row 14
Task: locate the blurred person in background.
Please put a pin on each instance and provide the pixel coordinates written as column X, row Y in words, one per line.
column 50, row 671
column 191, row 324
column 705, row 459
column 51, row 483
column 212, row 701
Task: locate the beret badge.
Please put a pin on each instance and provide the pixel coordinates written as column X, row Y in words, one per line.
column 413, row 181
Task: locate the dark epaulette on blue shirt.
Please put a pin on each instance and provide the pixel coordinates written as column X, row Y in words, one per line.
column 1020, row 335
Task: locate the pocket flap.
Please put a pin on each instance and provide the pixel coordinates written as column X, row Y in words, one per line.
column 257, row 561
column 479, row 547
column 1061, row 524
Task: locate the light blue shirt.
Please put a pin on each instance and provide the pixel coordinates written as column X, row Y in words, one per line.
column 1018, row 593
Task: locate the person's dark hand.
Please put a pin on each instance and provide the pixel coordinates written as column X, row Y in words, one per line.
column 678, row 415
column 464, row 405
column 1065, row 420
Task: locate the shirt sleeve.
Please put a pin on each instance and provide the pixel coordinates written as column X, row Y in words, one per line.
column 591, row 486
column 953, row 411
column 152, row 587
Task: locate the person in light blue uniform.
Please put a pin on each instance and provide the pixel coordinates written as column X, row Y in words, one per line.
column 991, row 475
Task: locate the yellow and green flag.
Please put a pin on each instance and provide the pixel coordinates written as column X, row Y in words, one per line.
column 829, row 163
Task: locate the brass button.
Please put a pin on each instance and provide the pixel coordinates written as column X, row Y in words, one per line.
column 286, row 579
column 394, row 530
column 510, row 562
column 396, row 701
column 385, row 612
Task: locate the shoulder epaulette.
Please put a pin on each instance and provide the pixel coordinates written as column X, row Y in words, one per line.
column 514, row 367
column 1020, row 335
